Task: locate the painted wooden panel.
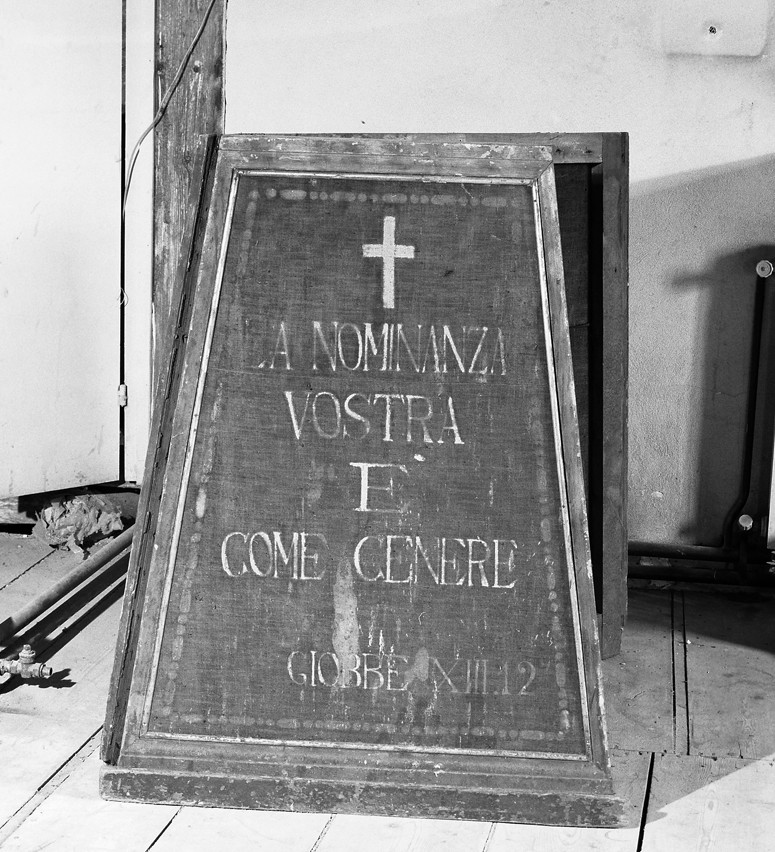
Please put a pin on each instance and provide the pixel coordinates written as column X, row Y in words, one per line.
column 60, row 181
column 375, row 413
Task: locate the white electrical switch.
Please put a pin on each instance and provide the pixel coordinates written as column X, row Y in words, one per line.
column 714, row 27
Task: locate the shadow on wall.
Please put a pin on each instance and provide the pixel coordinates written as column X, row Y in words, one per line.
column 695, row 241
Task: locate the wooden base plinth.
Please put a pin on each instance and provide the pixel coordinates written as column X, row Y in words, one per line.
column 533, row 806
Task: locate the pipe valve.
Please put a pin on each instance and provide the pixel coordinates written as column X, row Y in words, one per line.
column 745, row 522
column 25, row 666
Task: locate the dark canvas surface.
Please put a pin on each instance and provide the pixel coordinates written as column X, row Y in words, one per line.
column 358, row 471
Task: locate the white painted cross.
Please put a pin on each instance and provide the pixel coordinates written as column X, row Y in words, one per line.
column 388, row 251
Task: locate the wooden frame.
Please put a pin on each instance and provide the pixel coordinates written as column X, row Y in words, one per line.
column 194, row 113
column 145, row 761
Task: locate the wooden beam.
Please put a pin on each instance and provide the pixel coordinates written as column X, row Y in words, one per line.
column 615, row 165
column 194, row 113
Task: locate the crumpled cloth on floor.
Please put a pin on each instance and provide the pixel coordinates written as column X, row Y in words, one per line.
column 78, row 522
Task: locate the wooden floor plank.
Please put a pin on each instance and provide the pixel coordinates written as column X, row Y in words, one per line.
column 43, row 724
column 350, row 833
column 696, row 802
column 209, row 829
column 731, row 670
column 17, row 554
column 681, row 740
column 40, row 575
column 637, row 684
column 630, row 771
column 701, row 803
column 543, row 838
column 75, row 819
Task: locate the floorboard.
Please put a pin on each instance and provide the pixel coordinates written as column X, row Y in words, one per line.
column 350, row 833
column 74, row 819
column 680, row 683
column 541, row 838
column 730, row 655
column 638, row 695
column 39, row 568
column 18, row 553
column 718, row 805
column 205, row 830
column 42, row 725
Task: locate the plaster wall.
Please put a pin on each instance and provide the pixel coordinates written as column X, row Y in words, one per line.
column 60, row 244
column 702, row 134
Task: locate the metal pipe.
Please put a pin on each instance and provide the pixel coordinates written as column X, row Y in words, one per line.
column 707, row 574
column 31, row 610
column 682, row 551
column 730, row 528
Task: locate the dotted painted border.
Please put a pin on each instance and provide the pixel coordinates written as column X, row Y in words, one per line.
column 332, row 725
column 164, row 710
column 439, row 199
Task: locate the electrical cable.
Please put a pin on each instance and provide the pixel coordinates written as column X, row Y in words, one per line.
column 164, row 103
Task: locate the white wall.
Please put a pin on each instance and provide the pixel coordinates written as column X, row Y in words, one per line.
column 702, row 162
column 138, row 235
column 60, row 229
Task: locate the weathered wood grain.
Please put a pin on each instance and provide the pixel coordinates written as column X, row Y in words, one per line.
column 637, row 683
column 194, row 113
column 574, row 472
column 614, row 333
column 730, row 661
column 565, row 147
column 705, row 803
column 10, row 512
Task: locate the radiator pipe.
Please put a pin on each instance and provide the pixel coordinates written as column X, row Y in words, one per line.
column 714, row 574
column 682, row 551
column 731, row 529
column 73, row 578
